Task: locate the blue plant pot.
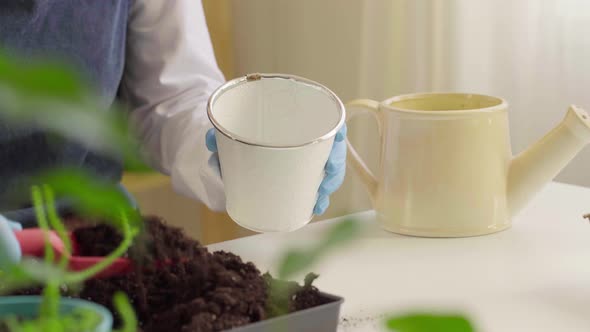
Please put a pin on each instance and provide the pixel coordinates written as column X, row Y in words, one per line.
column 28, row 307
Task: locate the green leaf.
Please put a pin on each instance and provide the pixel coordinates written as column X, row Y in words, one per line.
column 40, row 77
column 50, row 303
column 93, row 197
column 38, row 203
column 16, row 278
column 39, row 271
column 51, row 96
column 298, row 260
column 81, row 319
column 343, row 232
column 125, row 310
column 294, row 262
column 279, row 296
column 420, row 322
column 56, row 224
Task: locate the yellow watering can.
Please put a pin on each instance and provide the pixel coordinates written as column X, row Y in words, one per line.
column 446, row 168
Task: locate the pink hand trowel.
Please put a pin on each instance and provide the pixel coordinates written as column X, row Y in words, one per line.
column 32, row 243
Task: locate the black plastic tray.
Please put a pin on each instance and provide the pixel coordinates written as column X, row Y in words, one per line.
column 323, row 318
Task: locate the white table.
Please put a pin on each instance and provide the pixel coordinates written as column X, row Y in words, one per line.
column 532, row 277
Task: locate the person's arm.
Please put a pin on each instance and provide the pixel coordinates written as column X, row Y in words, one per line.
column 170, row 72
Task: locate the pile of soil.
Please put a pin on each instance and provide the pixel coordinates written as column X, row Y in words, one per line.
column 195, row 291
column 99, row 240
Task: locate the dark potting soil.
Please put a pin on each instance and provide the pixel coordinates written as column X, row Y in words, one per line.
column 99, row 240
column 197, row 291
column 159, row 242
column 73, row 221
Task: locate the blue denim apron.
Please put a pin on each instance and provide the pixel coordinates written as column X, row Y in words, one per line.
column 87, row 34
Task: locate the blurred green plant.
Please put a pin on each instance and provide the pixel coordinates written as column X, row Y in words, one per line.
column 93, row 198
column 427, row 322
column 53, row 97
column 53, row 273
column 296, row 261
column 50, row 96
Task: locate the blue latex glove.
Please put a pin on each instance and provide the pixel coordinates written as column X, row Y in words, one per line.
column 335, row 167
column 10, row 252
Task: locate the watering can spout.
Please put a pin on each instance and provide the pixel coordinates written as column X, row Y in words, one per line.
column 540, row 163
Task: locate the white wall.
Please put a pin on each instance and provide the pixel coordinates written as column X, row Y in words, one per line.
column 533, row 53
column 536, row 54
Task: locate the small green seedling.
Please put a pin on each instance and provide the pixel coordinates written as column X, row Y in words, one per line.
column 53, row 274
column 296, row 261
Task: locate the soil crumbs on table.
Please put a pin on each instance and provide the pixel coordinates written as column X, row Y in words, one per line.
column 194, row 291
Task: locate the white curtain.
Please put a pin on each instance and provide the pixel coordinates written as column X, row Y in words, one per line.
column 534, row 53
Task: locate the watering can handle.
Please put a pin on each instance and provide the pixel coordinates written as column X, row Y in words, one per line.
column 354, row 108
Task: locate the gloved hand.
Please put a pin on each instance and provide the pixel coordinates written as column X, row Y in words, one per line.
column 10, row 252
column 335, row 167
